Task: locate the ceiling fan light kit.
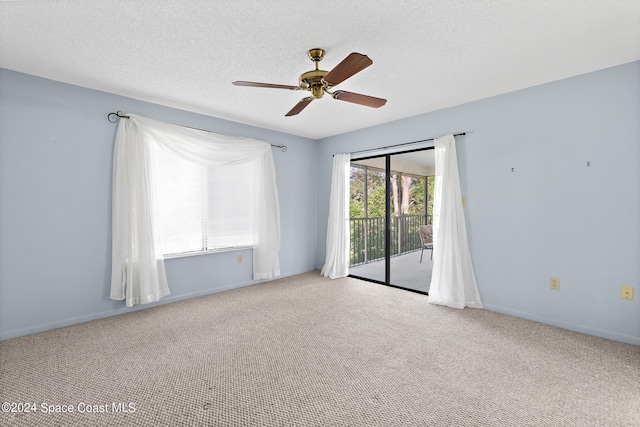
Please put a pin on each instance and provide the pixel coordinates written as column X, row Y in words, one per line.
column 318, row 82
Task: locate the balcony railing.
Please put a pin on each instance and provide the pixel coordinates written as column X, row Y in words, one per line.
column 367, row 237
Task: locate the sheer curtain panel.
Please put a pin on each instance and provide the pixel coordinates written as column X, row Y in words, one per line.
column 453, row 281
column 138, row 274
column 337, row 252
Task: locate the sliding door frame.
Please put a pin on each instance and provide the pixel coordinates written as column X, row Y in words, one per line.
column 388, row 219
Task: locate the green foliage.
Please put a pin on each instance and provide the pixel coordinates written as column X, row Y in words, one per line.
column 356, row 209
column 411, row 203
column 416, row 196
column 376, row 194
column 430, row 182
column 356, row 199
column 376, row 206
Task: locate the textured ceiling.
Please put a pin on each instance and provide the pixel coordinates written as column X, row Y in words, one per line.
column 427, row 54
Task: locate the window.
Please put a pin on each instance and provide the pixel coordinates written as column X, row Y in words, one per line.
column 199, row 209
column 202, row 209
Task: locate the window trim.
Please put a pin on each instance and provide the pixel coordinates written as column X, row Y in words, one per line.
column 207, row 252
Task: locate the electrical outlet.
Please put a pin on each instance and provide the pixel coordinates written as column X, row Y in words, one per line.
column 626, row 292
column 554, row 283
column 239, row 259
column 464, row 201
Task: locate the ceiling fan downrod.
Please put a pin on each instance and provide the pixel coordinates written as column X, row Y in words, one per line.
column 313, row 80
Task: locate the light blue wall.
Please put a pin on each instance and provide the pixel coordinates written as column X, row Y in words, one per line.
column 56, row 149
column 554, row 215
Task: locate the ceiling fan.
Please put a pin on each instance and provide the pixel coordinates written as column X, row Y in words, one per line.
column 319, row 82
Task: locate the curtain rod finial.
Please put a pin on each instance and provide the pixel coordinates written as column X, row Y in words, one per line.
column 113, row 117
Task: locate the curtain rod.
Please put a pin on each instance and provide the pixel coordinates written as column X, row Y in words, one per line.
column 119, row 115
column 404, row 143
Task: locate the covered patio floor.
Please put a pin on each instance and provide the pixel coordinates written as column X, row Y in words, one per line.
column 406, row 270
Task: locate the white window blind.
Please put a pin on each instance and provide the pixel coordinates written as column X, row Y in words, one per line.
column 203, row 208
column 230, row 197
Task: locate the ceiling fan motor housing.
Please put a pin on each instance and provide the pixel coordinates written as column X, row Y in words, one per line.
column 312, row 80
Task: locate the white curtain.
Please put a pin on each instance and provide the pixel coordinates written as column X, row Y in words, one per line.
column 453, row 281
column 337, row 255
column 138, row 274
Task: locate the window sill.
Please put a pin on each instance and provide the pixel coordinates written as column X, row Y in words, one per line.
column 208, row 252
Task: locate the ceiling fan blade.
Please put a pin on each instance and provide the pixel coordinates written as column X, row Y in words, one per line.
column 299, row 106
column 356, row 98
column 268, row 85
column 352, row 64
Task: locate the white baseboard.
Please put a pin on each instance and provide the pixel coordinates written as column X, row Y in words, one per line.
column 564, row 325
column 95, row 316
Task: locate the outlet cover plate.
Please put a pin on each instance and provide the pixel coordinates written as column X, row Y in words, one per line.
column 554, row 283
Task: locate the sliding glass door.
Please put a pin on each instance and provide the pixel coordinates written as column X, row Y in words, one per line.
column 390, row 200
column 367, row 219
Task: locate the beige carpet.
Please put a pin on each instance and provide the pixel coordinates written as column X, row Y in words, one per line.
column 308, row 351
